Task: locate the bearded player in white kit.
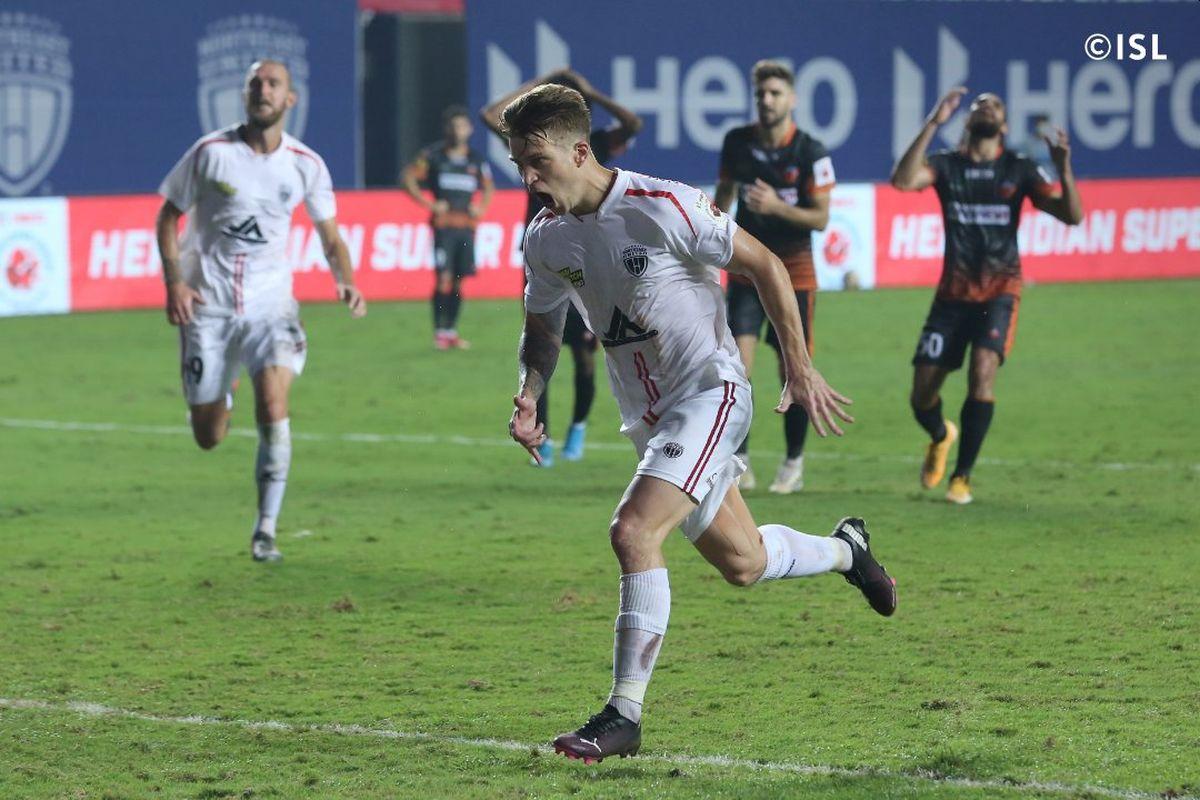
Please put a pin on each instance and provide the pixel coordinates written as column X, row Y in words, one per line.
column 229, row 284
column 639, row 258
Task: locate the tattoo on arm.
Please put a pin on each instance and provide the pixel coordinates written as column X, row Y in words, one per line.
column 538, row 352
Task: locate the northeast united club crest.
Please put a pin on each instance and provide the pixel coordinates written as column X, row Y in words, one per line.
column 635, row 260
column 227, row 50
column 35, row 95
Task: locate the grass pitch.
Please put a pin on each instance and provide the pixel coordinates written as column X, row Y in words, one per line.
column 437, row 592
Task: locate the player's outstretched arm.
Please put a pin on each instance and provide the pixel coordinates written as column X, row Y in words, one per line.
column 1066, row 206
column 912, row 173
column 803, row 384
column 180, row 296
column 338, row 256
column 537, row 356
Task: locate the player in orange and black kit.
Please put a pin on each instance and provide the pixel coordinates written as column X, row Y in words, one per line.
column 607, row 144
column 785, row 177
column 453, row 173
column 981, row 187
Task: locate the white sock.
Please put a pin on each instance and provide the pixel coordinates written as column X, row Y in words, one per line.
column 641, row 623
column 792, row 554
column 271, row 472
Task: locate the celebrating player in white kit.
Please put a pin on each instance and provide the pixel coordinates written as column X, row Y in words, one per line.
column 229, row 284
column 638, row 256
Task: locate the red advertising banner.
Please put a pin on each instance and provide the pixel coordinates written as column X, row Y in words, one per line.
column 1132, row 229
column 115, row 262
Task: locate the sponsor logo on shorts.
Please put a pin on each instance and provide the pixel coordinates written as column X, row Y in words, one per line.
column 35, row 93
column 672, row 450
column 636, row 260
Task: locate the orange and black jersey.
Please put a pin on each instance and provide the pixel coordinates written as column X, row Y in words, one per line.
column 799, row 170
column 981, row 209
column 454, row 179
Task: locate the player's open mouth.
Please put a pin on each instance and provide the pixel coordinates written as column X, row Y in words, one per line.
column 545, row 199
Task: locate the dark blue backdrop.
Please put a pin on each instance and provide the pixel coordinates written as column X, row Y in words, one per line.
column 120, row 89
column 869, row 72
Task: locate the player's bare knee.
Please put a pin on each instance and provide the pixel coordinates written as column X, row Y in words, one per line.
column 628, row 536
column 742, row 574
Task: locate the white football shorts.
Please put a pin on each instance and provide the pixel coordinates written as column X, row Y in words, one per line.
column 692, row 446
column 212, row 349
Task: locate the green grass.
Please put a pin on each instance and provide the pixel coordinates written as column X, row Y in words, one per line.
column 1046, row 634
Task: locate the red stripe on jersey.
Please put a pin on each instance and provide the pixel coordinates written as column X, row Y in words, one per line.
column 714, row 436
column 239, row 268
column 306, row 154
column 661, row 194
column 643, row 371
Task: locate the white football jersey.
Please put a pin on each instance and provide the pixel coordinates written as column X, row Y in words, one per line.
column 643, row 272
column 239, row 207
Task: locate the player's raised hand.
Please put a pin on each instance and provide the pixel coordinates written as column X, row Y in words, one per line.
column 180, row 298
column 946, row 107
column 524, row 427
column 822, row 402
column 1060, row 148
column 353, row 298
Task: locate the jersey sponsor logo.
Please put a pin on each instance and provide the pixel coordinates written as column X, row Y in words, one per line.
column 457, row 182
column 35, row 93
column 635, row 259
column 823, row 172
column 575, row 276
column 672, row 450
column 245, row 231
column 981, row 213
column 980, row 173
column 622, row 330
column 228, row 47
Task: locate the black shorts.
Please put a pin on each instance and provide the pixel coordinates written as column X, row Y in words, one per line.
column 747, row 315
column 575, row 333
column 454, row 251
column 953, row 324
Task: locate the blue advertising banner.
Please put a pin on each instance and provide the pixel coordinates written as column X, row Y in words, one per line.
column 1122, row 78
column 104, row 97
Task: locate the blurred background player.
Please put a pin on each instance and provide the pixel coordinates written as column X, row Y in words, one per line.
column 639, row 255
column 606, row 144
column 981, row 187
column 782, row 178
column 229, row 284
column 453, row 173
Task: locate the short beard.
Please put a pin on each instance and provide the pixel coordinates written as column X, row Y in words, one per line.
column 983, row 129
column 262, row 123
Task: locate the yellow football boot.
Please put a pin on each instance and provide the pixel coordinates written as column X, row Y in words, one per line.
column 936, row 454
column 960, row 490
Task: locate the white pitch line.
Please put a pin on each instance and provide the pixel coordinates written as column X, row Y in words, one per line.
column 784, row 767
column 469, row 441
